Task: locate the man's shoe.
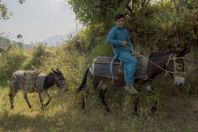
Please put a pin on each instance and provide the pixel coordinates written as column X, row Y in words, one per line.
column 131, row 90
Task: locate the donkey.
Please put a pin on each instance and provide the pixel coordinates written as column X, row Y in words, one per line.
column 53, row 78
column 171, row 61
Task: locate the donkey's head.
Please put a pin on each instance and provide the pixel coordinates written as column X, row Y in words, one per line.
column 60, row 80
column 175, row 64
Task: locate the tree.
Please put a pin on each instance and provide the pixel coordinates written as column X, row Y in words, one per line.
column 97, row 11
column 153, row 24
column 20, row 38
column 4, row 13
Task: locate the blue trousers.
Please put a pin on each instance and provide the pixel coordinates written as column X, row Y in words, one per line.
column 130, row 63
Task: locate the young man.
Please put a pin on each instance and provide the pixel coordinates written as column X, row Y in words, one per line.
column 118, row 37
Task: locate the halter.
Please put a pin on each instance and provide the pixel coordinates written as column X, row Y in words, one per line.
column 60, row 82
column 172, row 57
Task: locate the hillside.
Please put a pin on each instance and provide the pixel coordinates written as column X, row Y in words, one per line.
column 55, row 40
column 4, row 42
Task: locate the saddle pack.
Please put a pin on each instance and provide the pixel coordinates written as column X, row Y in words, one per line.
column 30, row 80
column 112, row 68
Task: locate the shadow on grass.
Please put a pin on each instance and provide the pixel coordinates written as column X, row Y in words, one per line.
column 18, row 122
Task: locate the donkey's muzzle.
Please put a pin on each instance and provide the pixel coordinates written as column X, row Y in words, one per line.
column 179, row 80
column 65, row 88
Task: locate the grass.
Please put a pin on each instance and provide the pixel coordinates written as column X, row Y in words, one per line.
column 177, row 111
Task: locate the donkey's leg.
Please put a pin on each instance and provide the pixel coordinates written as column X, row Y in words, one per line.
column 83, row 97
column 136, row 102
column 12, row 93
column 102, row 98
column 83, row 102
column 95, row 83
column 148, row 86
column 41, row 100
column 26, row 99
column 150, row 89
column 49, row 99
column 154, row 107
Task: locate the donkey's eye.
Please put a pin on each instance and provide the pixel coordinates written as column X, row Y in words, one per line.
column 180, row 65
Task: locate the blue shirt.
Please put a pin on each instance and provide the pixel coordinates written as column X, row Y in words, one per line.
column 115, row 38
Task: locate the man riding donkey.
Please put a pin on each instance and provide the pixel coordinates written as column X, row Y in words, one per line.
column 119, row 38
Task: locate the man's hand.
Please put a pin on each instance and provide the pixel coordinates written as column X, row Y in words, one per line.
column 125, row 43
column 136, row 53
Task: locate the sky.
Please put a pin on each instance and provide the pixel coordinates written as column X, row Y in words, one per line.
column 37, row 20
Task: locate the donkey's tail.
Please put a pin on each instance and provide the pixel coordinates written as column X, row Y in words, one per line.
column 84, row 81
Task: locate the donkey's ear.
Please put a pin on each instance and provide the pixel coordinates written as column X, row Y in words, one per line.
column 58, row 70
column 183, row 52
column 54, row 70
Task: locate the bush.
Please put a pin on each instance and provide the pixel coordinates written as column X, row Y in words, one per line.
column 39, row 54
column 11, row 62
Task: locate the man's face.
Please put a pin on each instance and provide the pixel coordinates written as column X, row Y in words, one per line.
column 120, row 22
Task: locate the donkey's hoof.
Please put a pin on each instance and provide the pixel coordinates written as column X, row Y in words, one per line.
column 108, row 109
column 136, row 114
column 153, row 109
column 83, row 105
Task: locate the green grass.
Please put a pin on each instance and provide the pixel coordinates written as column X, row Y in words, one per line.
column 177, row 112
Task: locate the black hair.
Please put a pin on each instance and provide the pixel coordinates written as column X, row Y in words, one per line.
column 118, row 16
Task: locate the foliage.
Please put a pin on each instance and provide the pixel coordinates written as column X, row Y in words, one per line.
column 21, row 1
column 39, row 54
column 96, row 12
column 4, row 13
column 4, row 42
column 89, row 39
column 152, row 25
column 11, row 62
